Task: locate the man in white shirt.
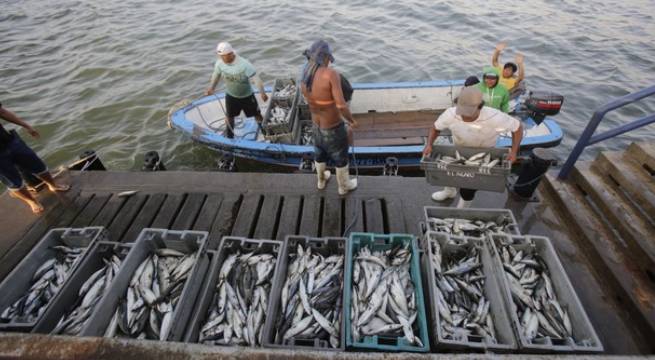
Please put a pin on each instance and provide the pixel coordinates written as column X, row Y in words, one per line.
column 473, row 124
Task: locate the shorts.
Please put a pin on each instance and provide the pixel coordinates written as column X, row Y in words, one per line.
column 467, row 194
column 17, row 156
column 234, row 106
column 331, row 144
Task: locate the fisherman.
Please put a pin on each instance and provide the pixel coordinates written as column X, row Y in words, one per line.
column 473, row 124
column 471, row 80
column 238, row 73
column 494, row 94
column 507, row 78
column 15, row 155
column 321, row 86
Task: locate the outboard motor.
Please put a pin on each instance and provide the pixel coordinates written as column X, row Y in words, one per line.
column 541, row 104
column 532, row 171
column 89, row 160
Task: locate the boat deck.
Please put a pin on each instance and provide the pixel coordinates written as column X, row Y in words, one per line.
column 394, row 128
column 271, row 206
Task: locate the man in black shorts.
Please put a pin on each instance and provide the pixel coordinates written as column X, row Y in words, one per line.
column 238, row 74
column 16, row 156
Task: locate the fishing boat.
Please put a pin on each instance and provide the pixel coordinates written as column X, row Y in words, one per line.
column 394, row 120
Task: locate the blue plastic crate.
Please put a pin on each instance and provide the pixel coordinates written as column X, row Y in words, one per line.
column 384, row 343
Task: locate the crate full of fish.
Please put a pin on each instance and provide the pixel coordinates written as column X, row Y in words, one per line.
column 28, row 291
column 281, row 111
column 544, row 308
column 154, row 292
column 470, row 222
column 306, row 308
column 284, row 89
column 384, row 306
column 466, row 303
column 305, row 133
column 234, row 303
column 467, row 167
column 73, row 306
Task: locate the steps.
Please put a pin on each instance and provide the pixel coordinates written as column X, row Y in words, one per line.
column 609, row 204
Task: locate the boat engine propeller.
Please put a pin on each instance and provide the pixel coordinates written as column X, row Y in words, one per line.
column 226, row 163
column 390, row 166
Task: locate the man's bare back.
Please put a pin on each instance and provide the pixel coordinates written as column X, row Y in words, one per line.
column 326, row 101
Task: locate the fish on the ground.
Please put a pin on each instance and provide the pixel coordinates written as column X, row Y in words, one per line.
column 46, row 282
column 311, row 298
column 384, row 296
column 239, row 306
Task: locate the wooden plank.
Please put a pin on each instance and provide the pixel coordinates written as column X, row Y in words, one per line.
column 331, row 216
column 289, row 217
column 225, row 218
column 643, row 153
column 126, row 217
column 395, row 217
column 167, row 212
column 145, row 217
column 268, row 217
column 208, row 212
column 354, row 215
column 187, row 215
column 244, row 225
column 374, row 217
column 309, row 220
column 109, row 211
column 91, row 210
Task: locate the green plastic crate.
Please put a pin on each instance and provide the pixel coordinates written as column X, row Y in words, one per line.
column 385, row 343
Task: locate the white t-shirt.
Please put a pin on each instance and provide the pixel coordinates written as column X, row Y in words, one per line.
column 483, row 132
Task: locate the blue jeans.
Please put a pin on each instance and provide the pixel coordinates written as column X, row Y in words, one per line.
column 331, row 145
column 16, row 154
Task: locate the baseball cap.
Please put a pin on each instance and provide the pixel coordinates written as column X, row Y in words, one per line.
column 468, row 101
column 319, row 48
column 224, row 48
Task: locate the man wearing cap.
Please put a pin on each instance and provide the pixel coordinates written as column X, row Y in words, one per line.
column 494, row 94
column 476, row 125
column 238, row 74
column 507, row 78
column 321, row 86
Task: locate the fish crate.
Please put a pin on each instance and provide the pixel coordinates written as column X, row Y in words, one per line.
column 485, row 215
column 452, row 246
column 68, row 296
column 438, row 172
column 289, row 102
column 208, row 295
column 584, row 338
column 280, row 84
column 378, row 242
column 326, row 247
column 19, row 281
column 149, row 241
column 303, row 126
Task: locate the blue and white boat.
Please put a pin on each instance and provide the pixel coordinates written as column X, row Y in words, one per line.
column 393, row 118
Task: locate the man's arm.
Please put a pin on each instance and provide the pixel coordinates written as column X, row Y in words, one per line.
column 212, row 84
column 13, row 118
column 259, row 84
column 494, row 58
column 517, row 136
column 434, row 133
column 337, row 95
column 519, row 62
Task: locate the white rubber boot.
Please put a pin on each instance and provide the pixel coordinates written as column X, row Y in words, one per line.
column 447, row 193
column 463, row 204
column 345, row 182
column 322, row 174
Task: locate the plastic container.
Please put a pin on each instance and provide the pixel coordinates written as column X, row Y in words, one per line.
column 325, row 246
column 471, row 214
column 19, row 280
column 493, row 292
column 68, row 295
column 384, row 343
column 228, row 245
column 148, row 241
column 438, row 172
column 280, row 84
column 584, row 336
column 298, row 135
column 290, row 102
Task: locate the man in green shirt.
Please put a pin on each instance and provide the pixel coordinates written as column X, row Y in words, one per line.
column 494, row 94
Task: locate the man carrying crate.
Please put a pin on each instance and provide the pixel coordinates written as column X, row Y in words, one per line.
column 476, row 125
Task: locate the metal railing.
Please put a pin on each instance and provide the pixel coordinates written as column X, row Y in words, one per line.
column 587, row 138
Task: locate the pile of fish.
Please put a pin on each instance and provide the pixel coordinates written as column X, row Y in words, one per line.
column 460, row 295
column 279, row 115
column 482, row 159
column 286, row 92
column 90, row 293
column 239, row 307
column 307, row 135
column 146, row 310
column 383, row 297
column 46, row 282
column 468, row 227
column 539, row 312
column 311, row 298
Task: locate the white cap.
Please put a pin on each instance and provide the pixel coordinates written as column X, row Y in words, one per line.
column 224, row 48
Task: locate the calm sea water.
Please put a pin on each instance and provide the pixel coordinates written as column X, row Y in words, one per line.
column 103, row 74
